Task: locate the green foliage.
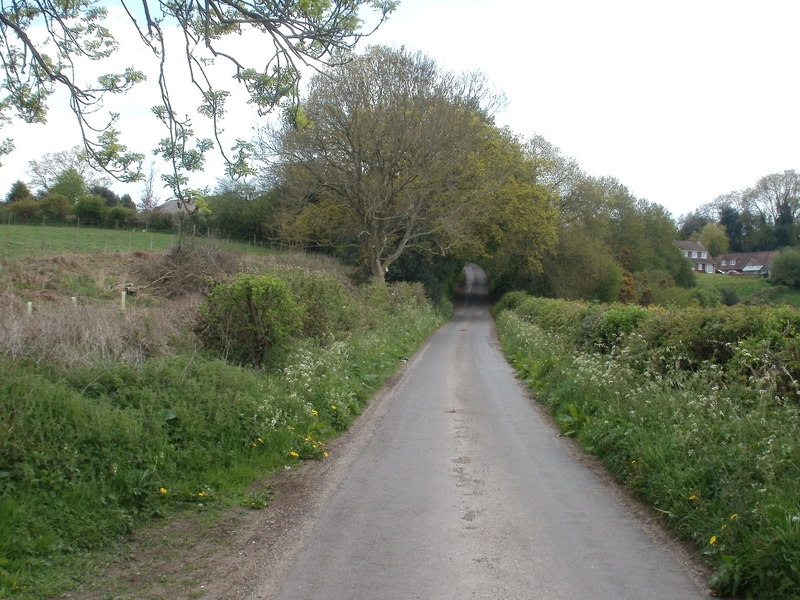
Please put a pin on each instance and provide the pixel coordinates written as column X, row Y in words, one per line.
column 710, row 442
column 786, row 268
column 415, row 167
column 118, row 215
column 55, row 207
column 25, row 210
column 90, row 210
column 249, row 319
column 69, row 184
column 18, row 191
column 321, row 32
column 328, row 306
column 182, row 432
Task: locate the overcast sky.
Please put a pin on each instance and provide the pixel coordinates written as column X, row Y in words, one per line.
column 682, row 101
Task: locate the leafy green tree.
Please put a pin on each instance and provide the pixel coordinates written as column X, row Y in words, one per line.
column 242, row 211
column 581, row 268
column 692, row 222
column 45, row 170
column 108, row 195
column 387, row 159
column 786, row 268
column 19, row 191
column 714, row 238
column 300, row 32
column 69, row 184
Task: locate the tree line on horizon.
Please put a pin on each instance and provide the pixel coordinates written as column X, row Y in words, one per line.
column 395, row 165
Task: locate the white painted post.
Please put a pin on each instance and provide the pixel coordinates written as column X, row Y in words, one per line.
column 30, row 309
column 124, row 294
column 74, row 301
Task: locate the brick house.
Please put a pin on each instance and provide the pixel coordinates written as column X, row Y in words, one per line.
column 746, row 263
column 695, row 252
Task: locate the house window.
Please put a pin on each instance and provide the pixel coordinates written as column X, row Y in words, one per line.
column 694, row 254
column 686, row 253
column 703, row 255
column 724, row 262
column 733, row 261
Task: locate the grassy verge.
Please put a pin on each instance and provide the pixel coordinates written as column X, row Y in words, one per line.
column 108, row 425
column 712, row 444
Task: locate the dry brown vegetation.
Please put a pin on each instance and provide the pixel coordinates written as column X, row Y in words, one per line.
column 92, row 328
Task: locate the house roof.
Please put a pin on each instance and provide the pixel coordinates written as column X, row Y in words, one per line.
column 746, row 261
column 691, row 245
column 170, row 206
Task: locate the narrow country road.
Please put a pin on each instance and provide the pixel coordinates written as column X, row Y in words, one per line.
column 462, row 490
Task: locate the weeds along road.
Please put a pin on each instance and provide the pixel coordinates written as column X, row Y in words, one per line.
column 462, row 490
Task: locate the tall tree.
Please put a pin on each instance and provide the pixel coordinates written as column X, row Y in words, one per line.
column 384, row 156
column 45, row 170
column 714, row 238
column 777, row 198
column 18, row 191
column 44, row 44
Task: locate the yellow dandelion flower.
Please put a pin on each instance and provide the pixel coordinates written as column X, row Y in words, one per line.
column 308, row 438
column 713, row 540
column 324, row 454
column 735, row 516
column 315, row 413
column 201, row 494
column 163, row 491
column 260, row 440
column 692, row 497
column 333, row 407
column 295, row 454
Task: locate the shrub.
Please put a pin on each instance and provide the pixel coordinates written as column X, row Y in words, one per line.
column 118, row 215
column 328, row 306
column 786, row 268
column 249, row 319
column 55, row 207
column 90, row 209
column 25, row 209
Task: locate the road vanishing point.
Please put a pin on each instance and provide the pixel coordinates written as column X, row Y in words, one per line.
column 454, row 485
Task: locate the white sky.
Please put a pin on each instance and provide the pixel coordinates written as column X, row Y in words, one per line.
column 682, row 101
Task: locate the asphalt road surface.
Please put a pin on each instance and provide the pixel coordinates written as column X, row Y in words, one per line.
column 463, row 490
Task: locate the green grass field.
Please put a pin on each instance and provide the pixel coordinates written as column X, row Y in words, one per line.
column 748, row 288
column 21, row 241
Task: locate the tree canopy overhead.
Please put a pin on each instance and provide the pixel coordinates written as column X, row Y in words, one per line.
column 45, row 44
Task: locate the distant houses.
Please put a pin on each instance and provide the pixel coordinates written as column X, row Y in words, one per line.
column 746, row 263
column 733, row 263
column 695, row 252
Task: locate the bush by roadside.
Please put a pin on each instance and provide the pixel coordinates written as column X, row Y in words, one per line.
column 696, row 410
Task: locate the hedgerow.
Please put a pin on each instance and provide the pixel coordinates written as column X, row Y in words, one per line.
column 696, row 410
